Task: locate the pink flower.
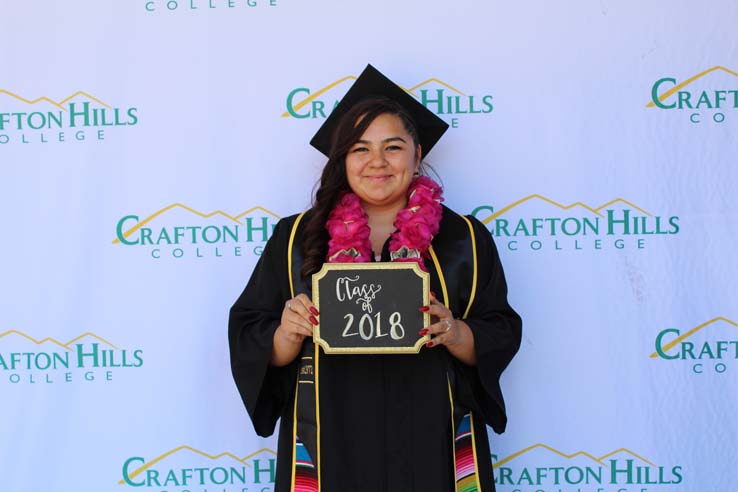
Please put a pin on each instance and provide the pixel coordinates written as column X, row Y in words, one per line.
column 349, row 230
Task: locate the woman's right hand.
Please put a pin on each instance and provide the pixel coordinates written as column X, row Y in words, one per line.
column 299, row 316
column 298, row 319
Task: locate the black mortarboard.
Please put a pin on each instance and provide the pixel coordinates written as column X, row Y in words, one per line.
column 372, row 83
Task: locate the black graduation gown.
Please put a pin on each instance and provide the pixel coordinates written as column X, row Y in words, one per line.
column 385, row 419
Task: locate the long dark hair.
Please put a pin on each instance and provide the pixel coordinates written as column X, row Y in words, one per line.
column 333, row 181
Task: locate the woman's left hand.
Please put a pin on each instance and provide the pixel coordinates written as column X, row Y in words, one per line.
column 446, row 330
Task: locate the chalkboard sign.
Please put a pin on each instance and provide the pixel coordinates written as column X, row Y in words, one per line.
column 371, row 308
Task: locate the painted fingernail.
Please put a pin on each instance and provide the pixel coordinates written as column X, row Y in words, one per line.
column 424, row 309
column 423, row 332
column 314, row 311
column 433, row 294
column 429, row 344
column 313, row 320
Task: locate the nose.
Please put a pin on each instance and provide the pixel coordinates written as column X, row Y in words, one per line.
column 378, row 158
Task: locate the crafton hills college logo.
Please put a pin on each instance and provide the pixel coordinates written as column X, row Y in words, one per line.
column 181, row 232
column 435, row 94
column 710, row 347
column 538, row 223
column 187, row 469
column 708, row 96
column 79, row 117
column 87, row 357
column 542, row 468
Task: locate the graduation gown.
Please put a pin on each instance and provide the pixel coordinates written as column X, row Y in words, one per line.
column 385, row 420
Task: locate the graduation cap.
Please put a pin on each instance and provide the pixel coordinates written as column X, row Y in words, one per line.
column 372, row 83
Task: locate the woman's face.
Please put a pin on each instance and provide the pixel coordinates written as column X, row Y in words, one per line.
column 380, row 166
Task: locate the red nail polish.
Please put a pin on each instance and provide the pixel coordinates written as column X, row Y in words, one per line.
column 429, row 344
column 313, row 320
column 433, row 294
column 423, row 332
column 314, row 311
column 424, row 309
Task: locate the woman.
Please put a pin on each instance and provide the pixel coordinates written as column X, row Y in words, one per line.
column 367, row 422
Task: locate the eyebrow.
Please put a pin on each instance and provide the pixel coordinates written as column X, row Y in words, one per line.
column 390, row 139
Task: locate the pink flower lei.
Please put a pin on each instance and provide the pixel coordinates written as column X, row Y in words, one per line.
column 416, row 225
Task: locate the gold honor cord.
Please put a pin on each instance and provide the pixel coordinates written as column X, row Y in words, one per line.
column 294, row 439
column 317, row 406
column 466, row 313
column 474, row 259
column 289, row 252
column 297, row 386
column 441, row 278
column 444, row 289
column 316, row 360
column 453, row 426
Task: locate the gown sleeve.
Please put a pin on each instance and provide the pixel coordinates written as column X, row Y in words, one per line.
column 497, row 331
column 265, row 390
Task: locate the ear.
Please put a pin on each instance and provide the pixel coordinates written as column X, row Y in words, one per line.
column 416, row 168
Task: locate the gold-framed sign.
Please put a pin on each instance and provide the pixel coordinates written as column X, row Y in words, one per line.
column 371, row 308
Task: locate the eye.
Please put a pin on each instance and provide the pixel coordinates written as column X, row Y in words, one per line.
column 394, row 147
column 359, row 149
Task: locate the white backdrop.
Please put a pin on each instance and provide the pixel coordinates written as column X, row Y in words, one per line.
column 147, row 147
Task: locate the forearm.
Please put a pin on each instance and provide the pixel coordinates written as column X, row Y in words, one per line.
column 298, row 319
column 284, row 349
column 462, row 346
